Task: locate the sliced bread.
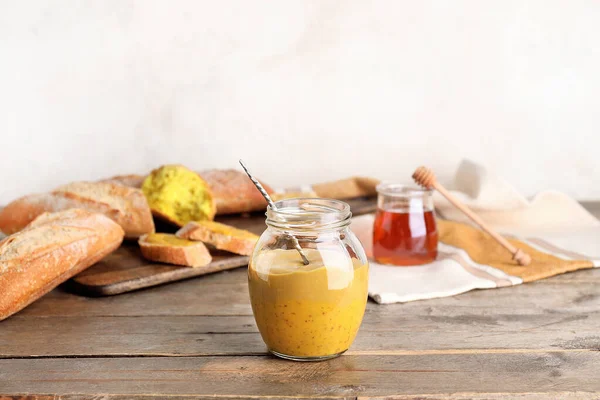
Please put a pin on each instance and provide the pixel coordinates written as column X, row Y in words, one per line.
column 223, row 237
column 170, row 249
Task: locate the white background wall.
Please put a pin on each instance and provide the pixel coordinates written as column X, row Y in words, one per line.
column 304, row 91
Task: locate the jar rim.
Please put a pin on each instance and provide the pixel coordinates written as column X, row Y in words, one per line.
column 306, row 213
column 401, row 190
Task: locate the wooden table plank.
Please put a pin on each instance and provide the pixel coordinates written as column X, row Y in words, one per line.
column 532, row 341
column 541, row 372
column 199, row 336
column 105, row 396
column 443, row 396
column 226, row 293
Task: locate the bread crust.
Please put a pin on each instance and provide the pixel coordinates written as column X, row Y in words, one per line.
column 348, row 188
column 52, row 249
column 132, row 180
column 234, row 192
column 221, row 236
column 125, row 205
column 196, row 255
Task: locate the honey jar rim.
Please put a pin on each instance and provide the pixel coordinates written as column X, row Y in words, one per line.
column 401, row 189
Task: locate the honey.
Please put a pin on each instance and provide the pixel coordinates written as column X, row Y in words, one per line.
column 404, row 238
column 404, row 231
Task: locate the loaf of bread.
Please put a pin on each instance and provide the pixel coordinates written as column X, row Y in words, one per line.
column 52, row 249
column 170, row 249
column 293, row 193
column 234, row 192
column 124, row 205
column 221, row 236
column 349, row 188
column 132, row 180
column 178, row 195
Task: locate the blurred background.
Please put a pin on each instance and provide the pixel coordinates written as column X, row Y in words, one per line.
column 303, row 91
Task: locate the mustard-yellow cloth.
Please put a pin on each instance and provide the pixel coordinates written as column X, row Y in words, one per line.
column 483, row 249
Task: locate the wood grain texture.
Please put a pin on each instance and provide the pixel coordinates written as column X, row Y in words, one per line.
column 441, row 396
column 105, row 396
column 508, row 372
column 237, row 335
column 126, row 270
column 226, row 293
column 197, row 339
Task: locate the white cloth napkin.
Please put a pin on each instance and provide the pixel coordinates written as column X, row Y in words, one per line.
column 500, row 205
column 560, row 223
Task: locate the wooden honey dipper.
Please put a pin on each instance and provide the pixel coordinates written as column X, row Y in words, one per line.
column 426, row 178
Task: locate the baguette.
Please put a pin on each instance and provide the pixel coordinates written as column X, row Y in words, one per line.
column 349, row 188
column 52, row 249
column 221, row 236
column 234, row 192
column 170, row 249
column 124, row 205
column 133, row 180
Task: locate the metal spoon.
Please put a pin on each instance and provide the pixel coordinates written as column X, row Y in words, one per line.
column 262, row 191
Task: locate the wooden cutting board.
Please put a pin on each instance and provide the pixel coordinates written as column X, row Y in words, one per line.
column 125, row 270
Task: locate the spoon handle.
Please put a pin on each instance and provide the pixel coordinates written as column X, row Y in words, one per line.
column 262, row 191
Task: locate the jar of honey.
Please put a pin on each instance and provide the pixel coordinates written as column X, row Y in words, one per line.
column 308, row 312
column 404, row 232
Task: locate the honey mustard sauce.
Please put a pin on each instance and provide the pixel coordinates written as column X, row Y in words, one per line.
column 310, row 310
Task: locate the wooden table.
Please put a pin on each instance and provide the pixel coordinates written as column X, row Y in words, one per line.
column 197, row 338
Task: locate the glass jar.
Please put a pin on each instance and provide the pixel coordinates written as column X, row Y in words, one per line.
column 404, row 231
column 308, row 312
